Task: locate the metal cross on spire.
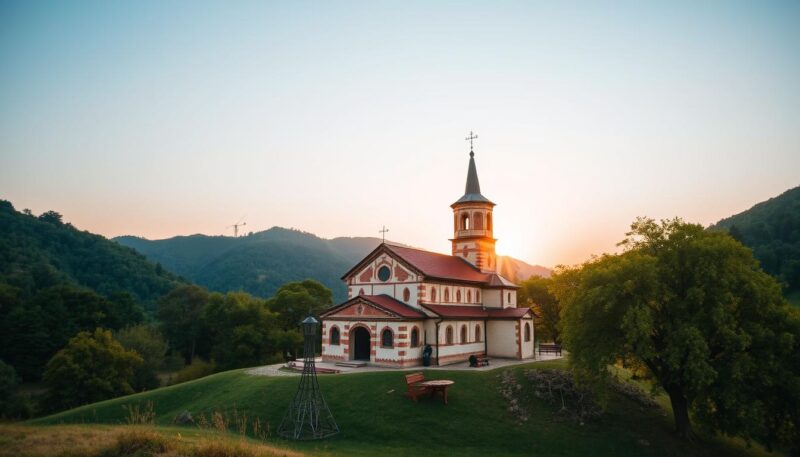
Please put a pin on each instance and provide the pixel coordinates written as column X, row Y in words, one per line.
column 470, row 138
column 383, row 233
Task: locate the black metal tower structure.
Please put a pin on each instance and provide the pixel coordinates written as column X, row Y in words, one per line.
column 308, row 416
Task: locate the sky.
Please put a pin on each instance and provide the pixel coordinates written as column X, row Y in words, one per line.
column 158, row 119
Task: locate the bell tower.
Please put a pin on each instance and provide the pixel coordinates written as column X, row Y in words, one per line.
column 473, row 227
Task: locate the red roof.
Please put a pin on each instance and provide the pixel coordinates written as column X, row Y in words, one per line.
column 440, row 266
column 393, row 305
column 477, row 312
column 384, row 302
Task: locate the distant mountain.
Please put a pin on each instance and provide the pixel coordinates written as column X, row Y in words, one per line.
column 772, row 230
column 261, row 262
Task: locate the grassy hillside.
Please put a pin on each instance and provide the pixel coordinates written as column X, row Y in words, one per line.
column 128, row 440
column 772, row 230
column 375, row 418
column 260, row 263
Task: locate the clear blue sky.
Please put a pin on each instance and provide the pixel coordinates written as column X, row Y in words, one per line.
column 163, row 118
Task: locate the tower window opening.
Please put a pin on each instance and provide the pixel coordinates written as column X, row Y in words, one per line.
column 465, row 222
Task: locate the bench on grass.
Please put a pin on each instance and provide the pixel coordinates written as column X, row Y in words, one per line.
column 550, row 349
column 413, row 381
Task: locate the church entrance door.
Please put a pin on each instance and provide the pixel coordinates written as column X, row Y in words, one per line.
column 360, row 341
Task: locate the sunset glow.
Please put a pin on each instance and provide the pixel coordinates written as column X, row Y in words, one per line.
column 161, row 120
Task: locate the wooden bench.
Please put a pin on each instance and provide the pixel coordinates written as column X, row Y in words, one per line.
column 550, row 349
column 414, row 389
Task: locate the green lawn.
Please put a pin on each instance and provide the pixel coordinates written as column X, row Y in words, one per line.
column 376, row 419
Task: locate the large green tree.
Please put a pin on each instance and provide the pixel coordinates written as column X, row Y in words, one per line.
column 91, row 368
column 692, row 310
column 149, row 343
column 534, row 292
column 180, row 312
column 293, row 302
column 242, row 330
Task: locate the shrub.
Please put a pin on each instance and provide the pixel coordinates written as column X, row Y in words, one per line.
column 137, row 442
column 197, row 369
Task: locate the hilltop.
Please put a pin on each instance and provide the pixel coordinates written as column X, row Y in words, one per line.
column 261, row 262
column 376, row 418
column 772, row 230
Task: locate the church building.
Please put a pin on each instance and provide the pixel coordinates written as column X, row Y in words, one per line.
column 402, row 299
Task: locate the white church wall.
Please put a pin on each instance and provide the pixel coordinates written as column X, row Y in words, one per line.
column 469, row 295
column 333, row 351
column 509, row 298
column 459, row 350
column 502, row 335
column 491, row 298
column 527, row 346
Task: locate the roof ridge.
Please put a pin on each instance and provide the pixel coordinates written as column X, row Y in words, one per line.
column 449, row 256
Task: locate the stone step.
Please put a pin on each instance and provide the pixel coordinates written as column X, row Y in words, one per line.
column 352, row 364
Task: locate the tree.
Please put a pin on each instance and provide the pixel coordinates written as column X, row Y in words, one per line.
column 242, row 330
column 293, row 302
column 181, row 312
column 149, row 343
column 8, row 387
column 92, row 367
column 692, row 310
column 534, row 292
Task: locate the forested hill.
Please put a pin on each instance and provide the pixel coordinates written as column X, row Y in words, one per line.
column 38, row 252
column 261, row 262
column 772, row 230
column 56, row 280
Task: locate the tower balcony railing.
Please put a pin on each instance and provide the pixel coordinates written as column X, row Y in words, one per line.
column 462, row 233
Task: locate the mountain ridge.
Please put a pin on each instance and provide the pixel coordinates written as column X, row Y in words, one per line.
column 258, row 262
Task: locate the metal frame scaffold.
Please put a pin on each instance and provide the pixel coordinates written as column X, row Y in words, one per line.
column 308, row 416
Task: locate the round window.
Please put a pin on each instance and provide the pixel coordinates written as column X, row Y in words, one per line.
column 384, row 273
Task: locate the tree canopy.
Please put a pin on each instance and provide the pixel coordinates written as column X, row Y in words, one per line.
column 535, row 292
column 92, row 367
column 692, row 310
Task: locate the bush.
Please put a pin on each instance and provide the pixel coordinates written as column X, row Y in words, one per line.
column 197, row 369
column 142, row 442
column 8, row 387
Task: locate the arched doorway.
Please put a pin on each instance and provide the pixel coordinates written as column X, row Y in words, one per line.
column 360, row 344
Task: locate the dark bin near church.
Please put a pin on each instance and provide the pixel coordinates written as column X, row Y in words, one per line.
column 426, row 356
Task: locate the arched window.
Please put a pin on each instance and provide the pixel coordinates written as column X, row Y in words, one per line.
column 489, row 221
column 433, row 294
column 477, row 221
column 477, row 332
column 458, row 296
column 527, row 331
column 361, row 291
column 465, row 222
column 387, row 338
column 469, row 296
column 334, row 336
column 509, row 298
column 447, row 294
column 448, row 335
column 463, row 334
column 478, row 296
column 406, row 295
column 414, row 337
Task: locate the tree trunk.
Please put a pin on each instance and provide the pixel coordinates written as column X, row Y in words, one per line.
column 680, row 412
